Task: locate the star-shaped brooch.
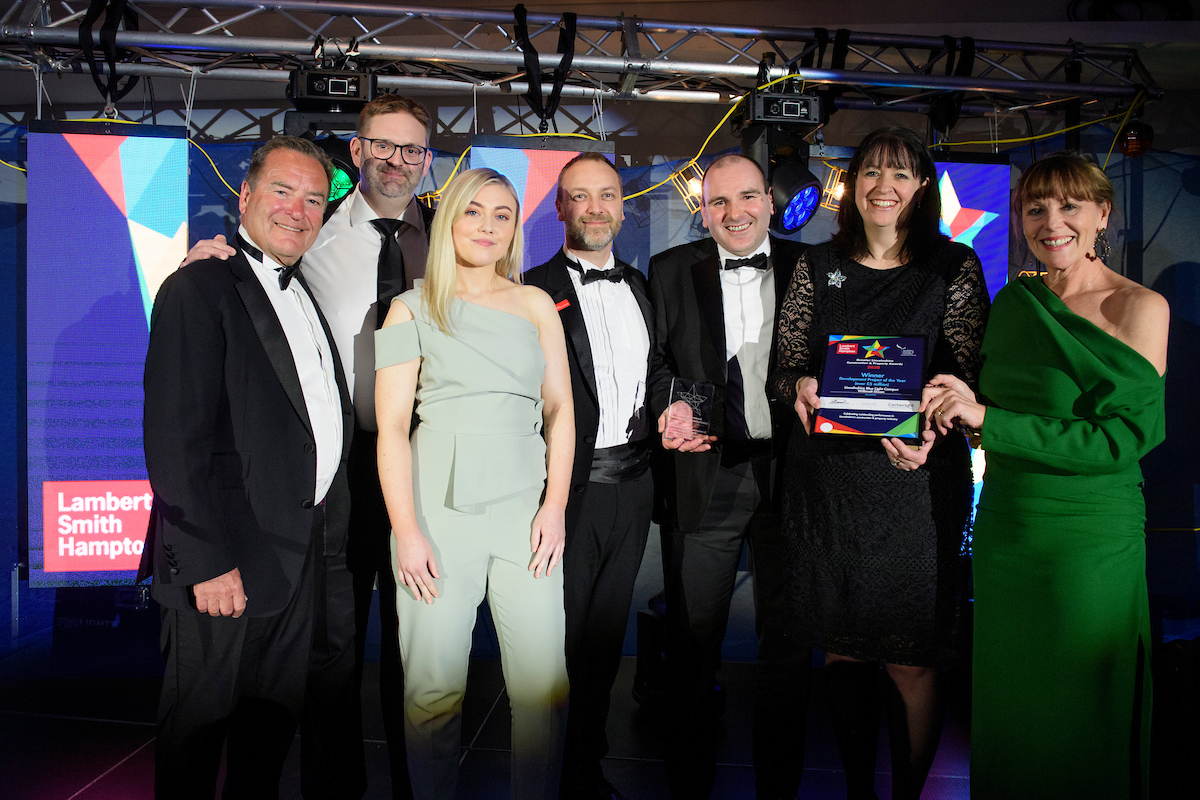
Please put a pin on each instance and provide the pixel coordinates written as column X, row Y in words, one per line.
column 836, row 278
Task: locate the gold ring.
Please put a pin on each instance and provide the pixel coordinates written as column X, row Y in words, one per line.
column 938, row 412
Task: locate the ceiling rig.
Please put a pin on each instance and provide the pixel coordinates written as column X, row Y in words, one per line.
column 428, row 50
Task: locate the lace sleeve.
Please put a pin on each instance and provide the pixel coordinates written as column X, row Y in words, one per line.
column 967, row 307
column 793, row 359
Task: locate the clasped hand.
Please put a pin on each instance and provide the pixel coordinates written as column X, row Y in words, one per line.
column 948, row 402
column 679, row 435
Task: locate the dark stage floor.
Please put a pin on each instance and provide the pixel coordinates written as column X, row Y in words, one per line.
column 78, row 698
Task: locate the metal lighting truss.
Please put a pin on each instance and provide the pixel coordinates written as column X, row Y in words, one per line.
column 445, row 50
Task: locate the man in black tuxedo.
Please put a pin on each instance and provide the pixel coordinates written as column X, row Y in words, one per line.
column 247, row 433
column 716, row 301
column 606, row 313
column 372, row 247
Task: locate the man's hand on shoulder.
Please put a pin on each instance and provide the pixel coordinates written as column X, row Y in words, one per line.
column 222, row 596
column 215, row 247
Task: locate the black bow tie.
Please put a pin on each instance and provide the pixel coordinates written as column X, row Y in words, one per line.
column 614, row 275
column 285, row 273
column 758, row 262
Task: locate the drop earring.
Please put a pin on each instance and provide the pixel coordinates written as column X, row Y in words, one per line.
column 1101, row 245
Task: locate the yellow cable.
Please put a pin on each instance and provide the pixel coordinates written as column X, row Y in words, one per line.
column 436, row 193
column 1029, row 138
column 692, row 160
column 1120, row 128
column 236, row 193
column 700, row 152
column 93, row 119
column 569, row 135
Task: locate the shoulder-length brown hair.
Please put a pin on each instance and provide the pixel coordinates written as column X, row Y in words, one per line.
column 892, row 148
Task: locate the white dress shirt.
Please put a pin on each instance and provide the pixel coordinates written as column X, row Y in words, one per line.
column 620, row 346
column 748, row 302
column 342, row 269
column 314, row 364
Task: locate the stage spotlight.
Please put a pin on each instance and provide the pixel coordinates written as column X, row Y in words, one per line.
column 309, row 124
column 796, row 192
column 835, row 187
column 776, row 129
column 345, row 174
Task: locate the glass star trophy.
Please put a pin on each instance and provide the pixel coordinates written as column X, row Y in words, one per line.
column 689, row 409
column 871, row 386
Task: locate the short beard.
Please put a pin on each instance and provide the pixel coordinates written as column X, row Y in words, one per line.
column 580, row 237
column 380, row 187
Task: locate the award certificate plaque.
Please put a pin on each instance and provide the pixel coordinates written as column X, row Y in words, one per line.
column 871, row 386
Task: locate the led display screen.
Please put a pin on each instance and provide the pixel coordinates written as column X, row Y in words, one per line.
column 975, row 213
column 107, row 223
column 533, row 164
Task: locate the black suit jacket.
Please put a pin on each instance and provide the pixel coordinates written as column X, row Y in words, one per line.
column 554, row 277
column 229, row 447
column 685, row 288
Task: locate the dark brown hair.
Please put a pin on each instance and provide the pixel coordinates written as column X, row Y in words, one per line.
column 892, row 148
column 1066, row 175
column 302, row 146
column 394, row 104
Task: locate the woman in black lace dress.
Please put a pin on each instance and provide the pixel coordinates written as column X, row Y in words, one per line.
column 874, row 531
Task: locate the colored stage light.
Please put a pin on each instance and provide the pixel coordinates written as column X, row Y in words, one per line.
column 1135, row 139
column 345, row 174
column 796, row 192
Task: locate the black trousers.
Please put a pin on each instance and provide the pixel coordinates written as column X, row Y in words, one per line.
column 601, row 561
column 699, row 572
column 370, row 561
column 243, row 683
column 333, row 764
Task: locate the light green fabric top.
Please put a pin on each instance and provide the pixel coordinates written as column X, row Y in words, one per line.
column 479, row 403
column 1071, row 408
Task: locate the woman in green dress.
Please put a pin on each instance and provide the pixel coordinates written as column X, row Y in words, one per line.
column 1072, row 398
column 477, row 495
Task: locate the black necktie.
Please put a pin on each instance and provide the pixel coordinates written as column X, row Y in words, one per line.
column 758, row 262
column 614, row 275
column 390, row 271
column 285, row 273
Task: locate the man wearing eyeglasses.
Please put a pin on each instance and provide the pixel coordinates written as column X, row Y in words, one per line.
column 371, row 248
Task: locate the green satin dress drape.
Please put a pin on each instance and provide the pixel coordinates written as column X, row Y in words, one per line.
column 1061, row 666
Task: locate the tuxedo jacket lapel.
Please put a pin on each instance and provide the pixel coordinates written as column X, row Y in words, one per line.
column 637, row 284
column 707, row 282
column 270, row 333
column 562, row 289
column 339, row 375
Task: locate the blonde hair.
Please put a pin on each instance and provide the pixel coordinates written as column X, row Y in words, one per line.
column 441, row 275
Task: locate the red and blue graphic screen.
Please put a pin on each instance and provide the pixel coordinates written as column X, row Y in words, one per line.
column 533, row 170
column 975, row 213
column 107, row 223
